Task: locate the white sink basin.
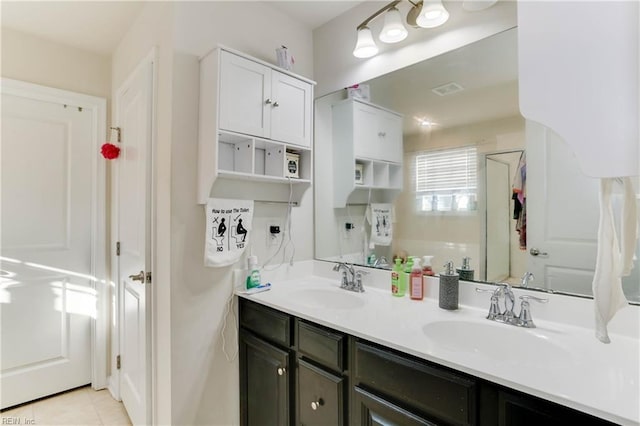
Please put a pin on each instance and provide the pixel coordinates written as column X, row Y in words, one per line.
column 499, row 342
column 333, row 298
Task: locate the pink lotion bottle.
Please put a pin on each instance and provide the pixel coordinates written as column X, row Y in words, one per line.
column 416, row 286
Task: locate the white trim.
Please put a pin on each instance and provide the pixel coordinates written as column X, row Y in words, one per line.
column 98, row 108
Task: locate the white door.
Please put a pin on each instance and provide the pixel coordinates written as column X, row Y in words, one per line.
column 562, row 214
column 132, row 182
column 46, row 289
column 245, row 96
column 498, row 220
column 291, row 109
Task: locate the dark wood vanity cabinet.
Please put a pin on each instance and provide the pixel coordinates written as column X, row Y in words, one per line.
column 295, row 372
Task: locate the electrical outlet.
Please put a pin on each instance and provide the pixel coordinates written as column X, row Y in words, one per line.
column 275, row 232
column 347, row 230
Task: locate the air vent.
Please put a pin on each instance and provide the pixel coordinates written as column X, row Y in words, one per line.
column 447, row 89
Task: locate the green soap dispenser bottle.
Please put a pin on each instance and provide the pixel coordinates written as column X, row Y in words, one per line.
column 253, row 273
column 396, row 273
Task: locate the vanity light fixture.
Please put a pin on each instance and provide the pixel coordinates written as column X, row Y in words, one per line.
column 432, row 14
column 393, row 30
column 424, row 13
column 365, row 46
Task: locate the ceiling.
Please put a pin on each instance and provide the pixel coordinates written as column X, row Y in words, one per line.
column 98, row 26
column 487, row 70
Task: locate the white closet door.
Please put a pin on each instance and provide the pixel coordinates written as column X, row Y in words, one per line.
column 134, row 115
column 365, row 131
column 562, row 214
column 46, row 287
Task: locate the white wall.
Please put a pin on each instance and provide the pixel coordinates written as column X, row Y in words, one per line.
column 154, row 28
column 35, row 60
column 205, row 387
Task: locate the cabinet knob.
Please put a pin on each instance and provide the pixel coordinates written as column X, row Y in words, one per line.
column 382, row 134
column 317, row 404
column 276, row 104
column 281, row 371
column 268, row 101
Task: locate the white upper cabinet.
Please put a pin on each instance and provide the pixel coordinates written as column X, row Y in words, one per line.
column 255, row 129
column 260, row 101
column 367, row 153
column 579, row 76
column 377, row 132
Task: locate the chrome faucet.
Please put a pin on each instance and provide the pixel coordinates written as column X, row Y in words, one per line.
column 528, row 276
column 381, row 262
column 508, row 316
column 350, row 278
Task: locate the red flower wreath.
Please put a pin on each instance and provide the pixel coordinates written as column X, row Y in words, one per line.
column 110, row 151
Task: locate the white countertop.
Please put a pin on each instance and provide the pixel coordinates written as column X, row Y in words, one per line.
column 571, row 367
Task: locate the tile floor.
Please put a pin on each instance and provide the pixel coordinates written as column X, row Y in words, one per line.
column 82, row 406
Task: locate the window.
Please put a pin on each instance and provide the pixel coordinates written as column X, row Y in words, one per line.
column 446, row 180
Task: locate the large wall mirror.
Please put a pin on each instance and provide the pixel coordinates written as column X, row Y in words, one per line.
column 466, row 148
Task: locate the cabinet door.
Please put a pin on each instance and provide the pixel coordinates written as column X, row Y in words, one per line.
column 264, row 383
column 390, row 137
column 320, row 397
column 523, row 410
column 245, row 96
column 365, row 131
column 291, row 109
column 371, row 410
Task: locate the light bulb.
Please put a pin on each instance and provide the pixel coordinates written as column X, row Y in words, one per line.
column 433, row 14
column 365, row 46
column 393, row 30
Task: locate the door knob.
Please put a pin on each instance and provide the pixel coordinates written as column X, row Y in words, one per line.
column 138, row 277
column 535, row 252
column 317, row 404
column 281, row 371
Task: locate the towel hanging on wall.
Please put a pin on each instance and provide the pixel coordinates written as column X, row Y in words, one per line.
column 228, row 230
column 614, row 258
column 381, row 219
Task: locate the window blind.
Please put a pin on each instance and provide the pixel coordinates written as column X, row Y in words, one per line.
column 447, row 171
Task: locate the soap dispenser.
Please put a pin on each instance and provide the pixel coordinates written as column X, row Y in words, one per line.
column 449, row 280
column 465, row 272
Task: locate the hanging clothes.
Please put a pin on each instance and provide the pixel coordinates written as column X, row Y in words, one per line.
column 519, row 196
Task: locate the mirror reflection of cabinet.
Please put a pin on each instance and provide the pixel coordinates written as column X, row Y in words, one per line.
column 253, row 117
column 367, row 151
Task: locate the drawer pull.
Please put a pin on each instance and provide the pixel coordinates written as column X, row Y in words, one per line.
column 317, row 404
column 281, row 371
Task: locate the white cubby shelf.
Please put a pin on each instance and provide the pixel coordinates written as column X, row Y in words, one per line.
column 244, row 160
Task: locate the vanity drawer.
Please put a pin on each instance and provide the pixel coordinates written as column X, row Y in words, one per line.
column 322, row 345
column 266, row 322
column 321, row 397
column 444, row 395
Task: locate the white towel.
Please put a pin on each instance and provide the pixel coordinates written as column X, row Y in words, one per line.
column 613, row 260
column 381, row 219
column 228, row 230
